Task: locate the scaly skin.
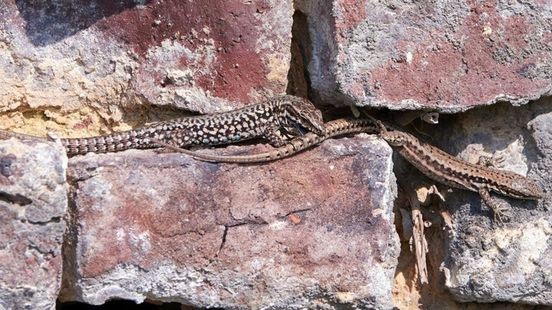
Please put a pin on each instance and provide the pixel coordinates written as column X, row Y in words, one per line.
column 332, row 129
column 449, row 170
column 276, row 120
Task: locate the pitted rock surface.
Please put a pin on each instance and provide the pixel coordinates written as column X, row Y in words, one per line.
column 316, row 228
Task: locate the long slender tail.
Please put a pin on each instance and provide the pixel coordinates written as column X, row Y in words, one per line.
column 115, row 142
column 5, row 135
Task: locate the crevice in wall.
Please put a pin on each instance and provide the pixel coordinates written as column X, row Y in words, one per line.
column 299, row 83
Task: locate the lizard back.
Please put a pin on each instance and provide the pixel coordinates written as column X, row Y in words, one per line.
column 451, row 171
column 276, row 119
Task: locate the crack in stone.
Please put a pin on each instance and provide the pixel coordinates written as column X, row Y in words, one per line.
column 223, row 240
column 295, row 212
column 49, row 253
column 69, row 276
column 55, row 219
column 15, row 199
column 227, row 228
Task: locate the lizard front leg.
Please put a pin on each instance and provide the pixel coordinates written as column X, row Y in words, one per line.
column 274, row 136
column 491, row 161
column 500, row 209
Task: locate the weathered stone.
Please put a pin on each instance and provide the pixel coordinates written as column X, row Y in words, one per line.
column 485, row 261
column 78, row 64
column 309, row 230
column 444, row 55
column 33, row 202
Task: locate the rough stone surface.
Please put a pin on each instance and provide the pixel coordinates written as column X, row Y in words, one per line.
column 443, row 55
column 487, row 262
column 82, row 65
column 312, row 230
column 33, row 202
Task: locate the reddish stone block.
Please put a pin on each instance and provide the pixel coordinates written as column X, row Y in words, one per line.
column 447, row 56
column 33, row 202
column 202, row 56
column 312, row 229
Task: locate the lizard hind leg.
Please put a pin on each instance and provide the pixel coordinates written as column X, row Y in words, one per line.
column 500, row 209
column 165, row 147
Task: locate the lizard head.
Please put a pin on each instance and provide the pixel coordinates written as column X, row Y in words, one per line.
column 526, row 188
column 301, row 112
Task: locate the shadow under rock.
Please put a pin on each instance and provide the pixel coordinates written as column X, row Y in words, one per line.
column 122, row 304
column 48, row 22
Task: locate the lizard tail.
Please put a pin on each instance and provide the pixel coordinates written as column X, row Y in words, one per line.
column 115, row 142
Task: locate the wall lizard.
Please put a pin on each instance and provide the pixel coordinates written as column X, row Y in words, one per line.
column 276, row 120
column 454, row 172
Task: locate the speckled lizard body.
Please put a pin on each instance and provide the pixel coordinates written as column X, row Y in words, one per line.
column 276, row 120
column 431, row 161
column 332, row 129
column 449, row 170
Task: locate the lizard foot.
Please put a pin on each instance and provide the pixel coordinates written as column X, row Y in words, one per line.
column 275, row 136
column 491, row 161
column 501, row 212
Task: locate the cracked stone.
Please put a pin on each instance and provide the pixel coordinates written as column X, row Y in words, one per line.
column 166, row 227
column 54, row 65
column 31, row 234
column 485, row 262
column 444, row 55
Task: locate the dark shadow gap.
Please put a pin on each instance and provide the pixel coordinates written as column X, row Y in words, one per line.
column 122, row 304
column 299, row 83
column 15, row 198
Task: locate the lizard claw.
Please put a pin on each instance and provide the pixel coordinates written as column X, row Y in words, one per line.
column 501, row 212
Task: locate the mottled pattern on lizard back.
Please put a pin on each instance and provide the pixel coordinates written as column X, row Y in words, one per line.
column 332, row 129
column 276, row 120
column 454, row 172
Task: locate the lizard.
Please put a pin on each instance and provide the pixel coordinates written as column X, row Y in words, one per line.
column 456, row 173
column 333, row 128
column 431, row 161
column 276, row 120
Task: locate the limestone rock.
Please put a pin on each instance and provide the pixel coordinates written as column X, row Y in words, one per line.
column 82, row 65
column 310, row 230
column 444, row 55
column 485, row 261
column 33, row 202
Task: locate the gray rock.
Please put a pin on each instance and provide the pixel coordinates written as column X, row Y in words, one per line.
column 446, row 55
column 33, row 202
column 485, row 261
column 315, row 229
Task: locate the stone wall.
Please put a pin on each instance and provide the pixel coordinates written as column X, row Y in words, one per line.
column 328, row 228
